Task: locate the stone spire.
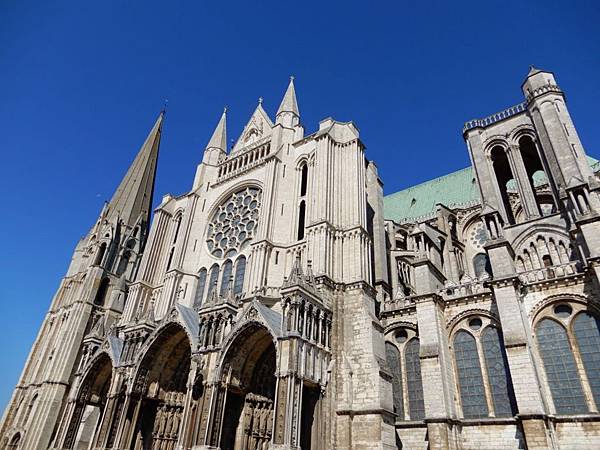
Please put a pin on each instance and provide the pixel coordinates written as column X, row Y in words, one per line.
column 219, row 137
column 217, row 146
column 288, row 113
column 133, row 197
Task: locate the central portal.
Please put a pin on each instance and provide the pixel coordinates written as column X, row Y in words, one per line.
column 249, row 374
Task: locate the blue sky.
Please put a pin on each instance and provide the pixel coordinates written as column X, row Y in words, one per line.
column 83, row 82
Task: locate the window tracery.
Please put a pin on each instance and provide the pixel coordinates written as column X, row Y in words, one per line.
column 402, row 354
column 483, row 376
column 568, row 341
column 234, row 223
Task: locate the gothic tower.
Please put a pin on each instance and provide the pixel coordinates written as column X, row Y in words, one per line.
column 84, row 309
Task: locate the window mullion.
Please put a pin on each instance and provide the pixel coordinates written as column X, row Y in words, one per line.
column 404, row 374
column 486, row 380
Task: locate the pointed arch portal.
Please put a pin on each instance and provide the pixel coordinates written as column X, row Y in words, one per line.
column 90, row 405
column 249, row 377
column 162, row 376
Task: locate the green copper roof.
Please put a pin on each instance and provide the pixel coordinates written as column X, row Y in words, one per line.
column 419, row 200
column 453, row 189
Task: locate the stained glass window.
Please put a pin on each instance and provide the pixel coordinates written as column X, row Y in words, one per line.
column 413, row 379
column 212, row 283
column 240, row 272
column 498, row 374
column 472, row 392
column 200, row 289
column 393, row 359
column 225, row 278
column 587, row 332
column 234, row 223
column 561, row 371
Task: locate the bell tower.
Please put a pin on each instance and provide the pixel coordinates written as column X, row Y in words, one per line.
column 89, row 299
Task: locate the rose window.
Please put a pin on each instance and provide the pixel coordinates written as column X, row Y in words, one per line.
column 234, row 223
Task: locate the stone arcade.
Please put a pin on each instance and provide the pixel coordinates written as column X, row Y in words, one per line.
column 284, row 303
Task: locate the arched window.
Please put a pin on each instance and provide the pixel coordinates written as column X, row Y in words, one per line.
column 303, row 179
column 225, row 277
column 177, row 227
column 504, row 174
column 481, row 264
column 414, row 381
column 100, row 298
column 240, row 272
column 100, row 254
column 402, row 354
column 301, row 218
column 470, row 379
column 212, row 282
column 587, row 334
column 393, row 359
column 200, row 289
column 123, row 263
column 29, row 409
column 561, row 370
column 498, row 373
column 15, row 441
column 482, row 347
column 535, row 171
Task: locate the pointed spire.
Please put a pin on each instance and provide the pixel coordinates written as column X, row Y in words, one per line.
column 219, row 137
column 134, row 195
column 289, row 104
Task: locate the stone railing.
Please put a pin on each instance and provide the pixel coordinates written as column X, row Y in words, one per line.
column 396, row 303
column 489, row 120
column 464, row 289
column 239, row 163
column 550, row 273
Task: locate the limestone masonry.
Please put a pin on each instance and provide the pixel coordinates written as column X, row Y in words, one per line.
column 284, row 303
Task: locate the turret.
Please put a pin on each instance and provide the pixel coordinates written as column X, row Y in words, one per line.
column 288, row 114
column 216, row 149
column 559, row 140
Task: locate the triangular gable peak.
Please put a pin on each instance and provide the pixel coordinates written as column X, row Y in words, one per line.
column 256, row 312
column 257, row 130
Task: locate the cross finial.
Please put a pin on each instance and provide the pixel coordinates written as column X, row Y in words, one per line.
column 260, row 100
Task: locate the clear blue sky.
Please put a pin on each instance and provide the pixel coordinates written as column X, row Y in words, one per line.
column 82, row 83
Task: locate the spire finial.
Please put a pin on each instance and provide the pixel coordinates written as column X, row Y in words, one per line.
column 225, row 109
column 292, row 78
column 260, row 100
column 134, row 193
column 165, row 105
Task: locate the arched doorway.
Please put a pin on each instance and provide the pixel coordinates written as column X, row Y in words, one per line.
column 163, row 373
column 249, row 377
column 90, row 404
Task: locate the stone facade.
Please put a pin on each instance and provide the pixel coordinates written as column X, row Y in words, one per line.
column 276, row 305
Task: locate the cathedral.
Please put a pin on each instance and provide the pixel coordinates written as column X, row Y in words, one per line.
column 285, row 303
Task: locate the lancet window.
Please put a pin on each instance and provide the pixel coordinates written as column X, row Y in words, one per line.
column 568, row 341
column 402, row 353
column 484, row 382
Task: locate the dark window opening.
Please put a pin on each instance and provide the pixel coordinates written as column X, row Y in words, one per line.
column 503, row 176
column 101, row 293
column 304, row 180
column 301, row 219
column 535, row 170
